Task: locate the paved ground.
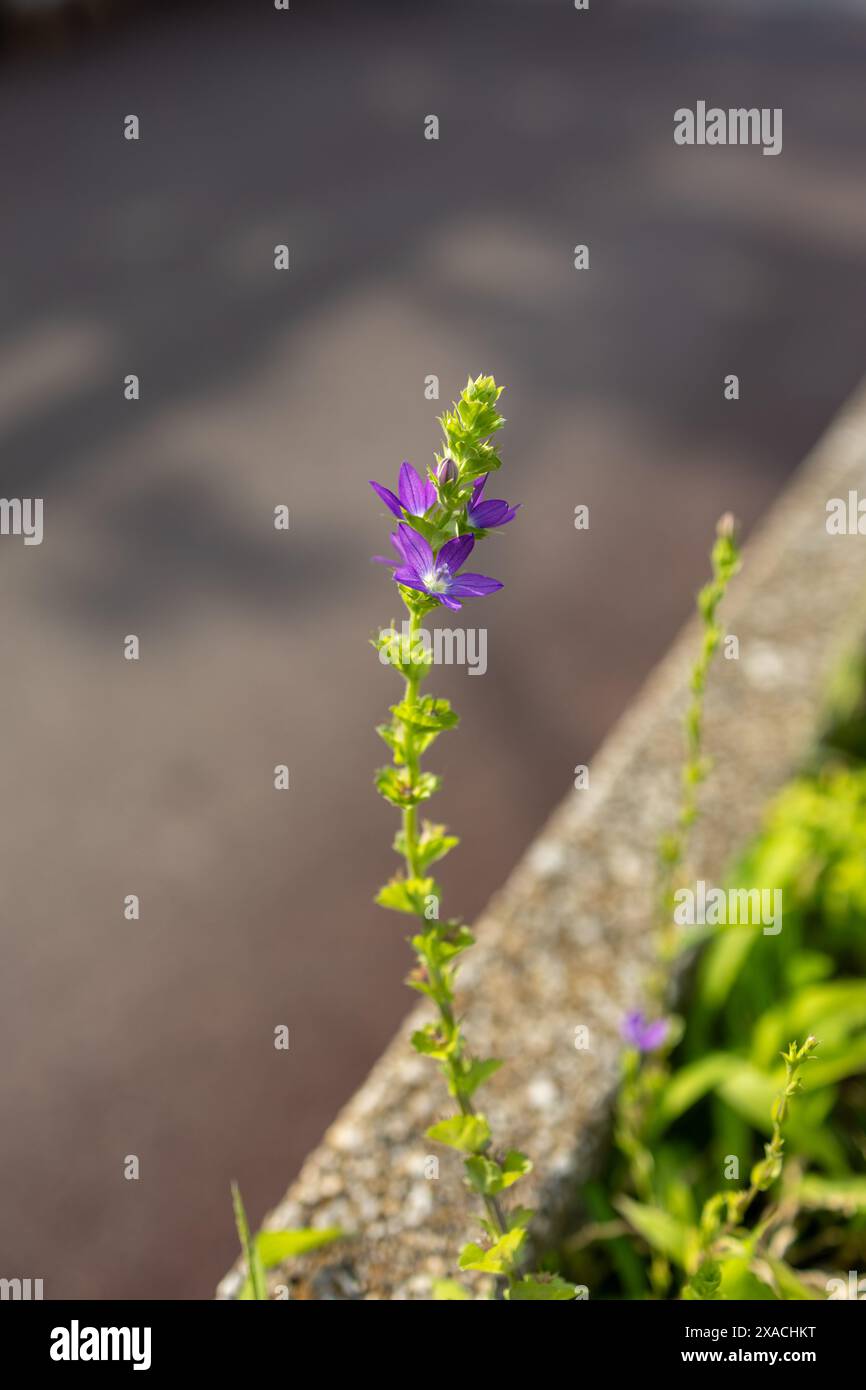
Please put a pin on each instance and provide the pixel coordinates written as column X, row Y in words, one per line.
column 408, row 257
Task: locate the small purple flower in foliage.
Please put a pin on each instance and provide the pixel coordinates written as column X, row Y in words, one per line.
column 436, row 575
column 415, row 494
column 485, row 515
column 645, row 1036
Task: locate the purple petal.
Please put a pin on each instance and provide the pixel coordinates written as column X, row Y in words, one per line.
column 654, row 1035
column 494, row 512
column 646, row 1037
column 449, row 600
column 632, row 1028
column 410, row 579
column 416, row 494
column 416, row 551
column 397, row 542
column 454, row 553
column 478, row 489
column 387, row 496
column 473, row 585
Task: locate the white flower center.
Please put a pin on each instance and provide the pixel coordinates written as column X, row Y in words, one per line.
column 435, row 582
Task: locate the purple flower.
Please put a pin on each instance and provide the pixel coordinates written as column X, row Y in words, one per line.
column 416, row 494
column 436, row 575
column 486, row 515
column 646, row 1037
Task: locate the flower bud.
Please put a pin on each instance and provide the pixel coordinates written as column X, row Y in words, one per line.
column 446, row 472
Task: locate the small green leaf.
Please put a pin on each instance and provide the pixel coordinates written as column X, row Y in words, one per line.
column 537, row 1288
column 490, row 1178
column 460, row 939
column 515, row 1166
column 429, row 714
column 659, row 1229
column 484, row 1175
column 474, row 1074
column 413, row 662
column 520, row 1216
column 434, row 1040
column 276, row 1246
column 705, row 1282
column 408, row 894
column 441, row 943
column 423, row 986
column 398, row 787
column 498, row 1258
column 433, row 844
column 468, row 1133
column 394, row 739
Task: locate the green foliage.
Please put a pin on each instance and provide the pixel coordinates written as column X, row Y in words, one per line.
column 432, row 844
column 536, row 1288
column 467, row 428
column 411, row 661
column 276, row 1246
column 753, row 992
column 404, row 788
column 490, row 1178
column 469, row 1133
column 268, row 1249
column 661, row 1230
column 798, row 1215
column 408, row 894
column 427, row 715
column 471, row 1072
column 498, row 1258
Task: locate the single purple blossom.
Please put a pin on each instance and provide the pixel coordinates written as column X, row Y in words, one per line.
column 436, row 575
column 493, row 512
column 415, row 494
column 643, row 1035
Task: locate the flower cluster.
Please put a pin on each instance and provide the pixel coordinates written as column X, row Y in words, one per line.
column 440, row 517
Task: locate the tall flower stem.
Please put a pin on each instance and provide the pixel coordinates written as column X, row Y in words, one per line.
column 440, row 519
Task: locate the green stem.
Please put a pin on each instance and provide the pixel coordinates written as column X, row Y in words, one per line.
column 410, row 813
column 410, row 840
column 254, row 1264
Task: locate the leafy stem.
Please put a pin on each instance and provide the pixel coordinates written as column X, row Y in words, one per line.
column 457, row 1062
column 726, row 1211
column 725, row 562
column 440, row 518
column 645, row 1066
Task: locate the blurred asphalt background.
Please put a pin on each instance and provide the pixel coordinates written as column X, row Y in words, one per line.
column 408, row 258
